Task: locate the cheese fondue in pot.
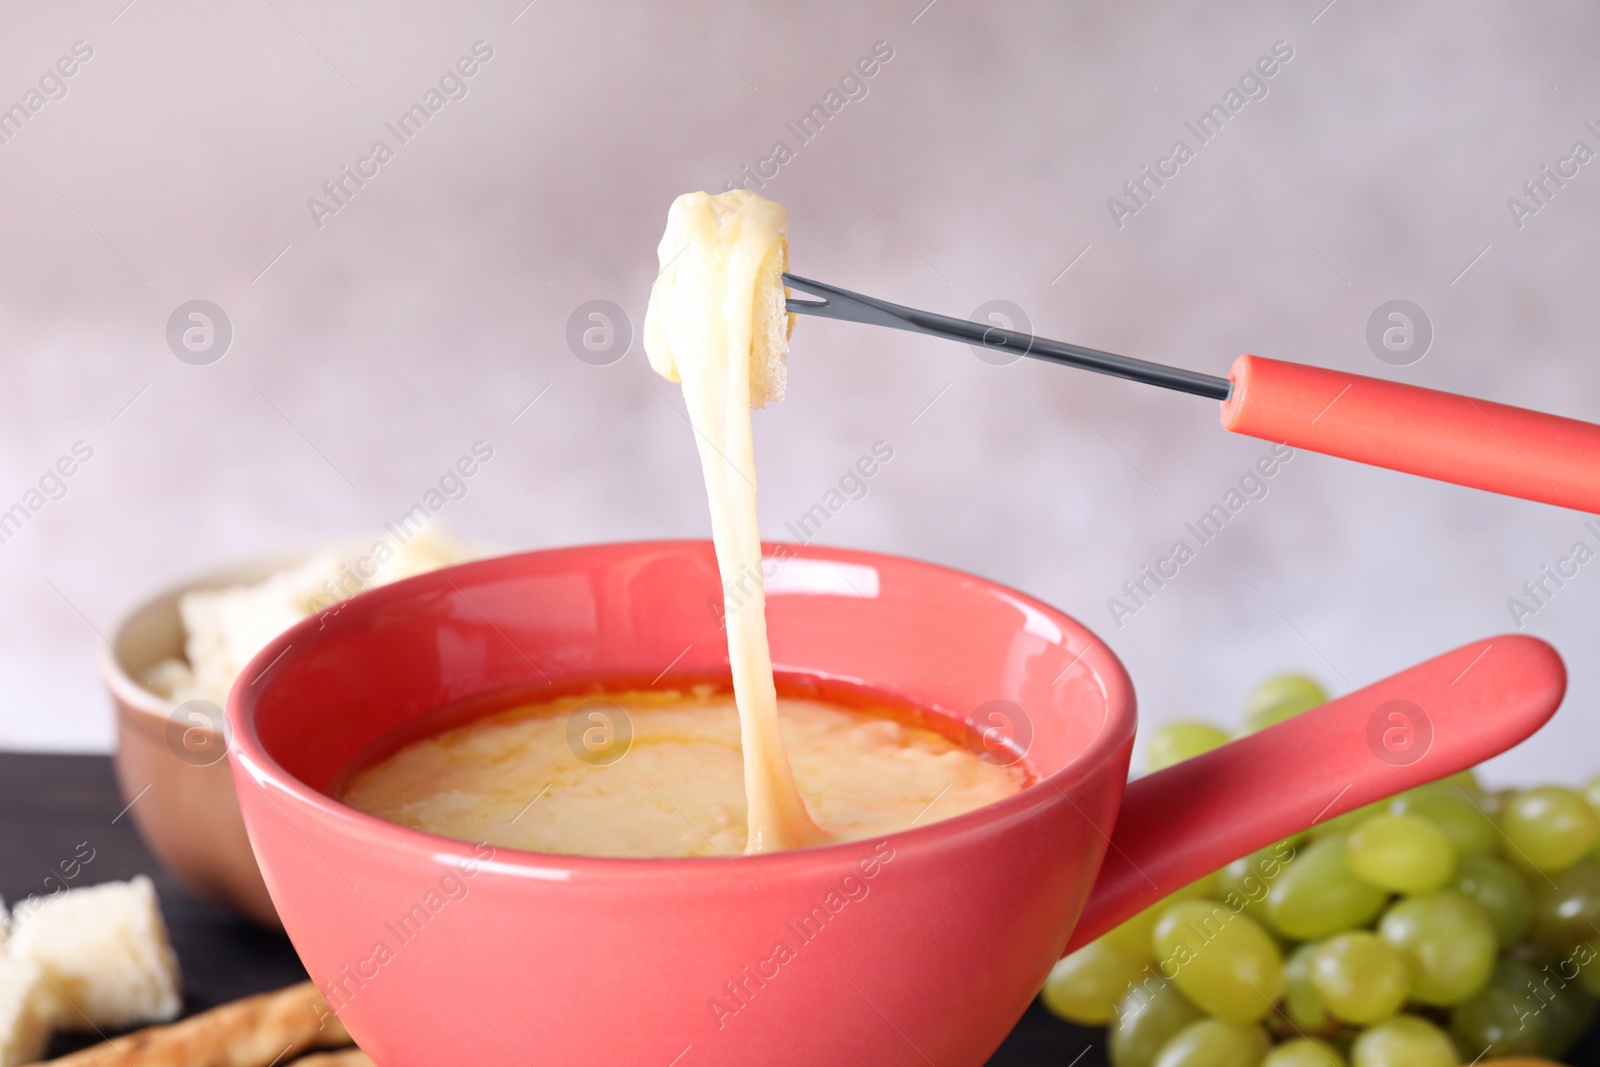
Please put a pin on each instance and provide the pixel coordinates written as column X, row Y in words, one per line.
column 524, row 779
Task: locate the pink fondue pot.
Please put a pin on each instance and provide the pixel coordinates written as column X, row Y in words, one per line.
column 921, row 947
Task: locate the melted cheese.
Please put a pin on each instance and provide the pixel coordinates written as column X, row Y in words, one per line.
column 517, row 780
column 700, row 329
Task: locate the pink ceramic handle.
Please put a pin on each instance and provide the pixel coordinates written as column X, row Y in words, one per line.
column 1444, row 436
column 1433, row 720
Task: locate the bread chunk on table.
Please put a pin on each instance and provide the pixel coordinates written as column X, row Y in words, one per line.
column 102, row 953
column 24, row 1012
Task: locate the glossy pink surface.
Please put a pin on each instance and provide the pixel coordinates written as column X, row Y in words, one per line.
column 560, row 959
column 923, row 947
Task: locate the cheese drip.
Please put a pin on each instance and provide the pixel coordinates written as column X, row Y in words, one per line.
column 721, row 259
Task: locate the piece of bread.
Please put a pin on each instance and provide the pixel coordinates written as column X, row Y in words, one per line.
column 260, row 1031
column 24, row 1013
column 103, row 954
column 769, row 337
column 701, row 241
column 224, row 628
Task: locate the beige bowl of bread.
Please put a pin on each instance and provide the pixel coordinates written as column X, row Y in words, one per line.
column 171, row 758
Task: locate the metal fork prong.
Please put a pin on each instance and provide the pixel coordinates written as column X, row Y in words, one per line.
column 843, row 305
column 805, row 285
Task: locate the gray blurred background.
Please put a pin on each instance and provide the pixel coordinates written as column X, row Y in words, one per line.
column 372, row 350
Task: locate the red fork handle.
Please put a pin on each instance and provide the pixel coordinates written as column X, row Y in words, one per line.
column 1445, row 436
column 1454, row 711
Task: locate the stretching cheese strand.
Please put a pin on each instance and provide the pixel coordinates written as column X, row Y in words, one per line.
column 722, row 258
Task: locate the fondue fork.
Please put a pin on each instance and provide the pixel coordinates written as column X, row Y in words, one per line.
column 1435, row 434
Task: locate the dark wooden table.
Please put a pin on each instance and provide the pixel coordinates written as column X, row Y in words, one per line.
column 51, row 805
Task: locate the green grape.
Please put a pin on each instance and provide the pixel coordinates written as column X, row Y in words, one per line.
column 1301, row 1001
column 1549, row 828
column 1448, row 943
column 1587, row 956
column 1568, row 1016
column 1555, row 992
column 1566, row 907
column 1133, row 937
column 1318, row 894
column 1591, row 793
column 1214, row 1043
column 1519, row 968
column 1470, row 831
column 1404, row 1041
column 1558, row 1006
column 1504, row 1019
column 1148, row 1016
column 1136, row 936
column 1341, row 825
column 1500, row 892
column 1493, row 802
column 1496, row 1022
column 1403, row 853
column 1225, row 963
column 1527, row 1007
column 1467, row 779
column 1175, row 742
column 1279, row 698
column 1084, row 987
column 1243, row 884
column 1304, row 1052
column 1360, row 977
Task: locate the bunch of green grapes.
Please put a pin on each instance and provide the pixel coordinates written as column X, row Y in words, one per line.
column 1446, row 925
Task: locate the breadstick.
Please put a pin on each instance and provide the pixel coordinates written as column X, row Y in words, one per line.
column 350, row 1057
column 254, row 1032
